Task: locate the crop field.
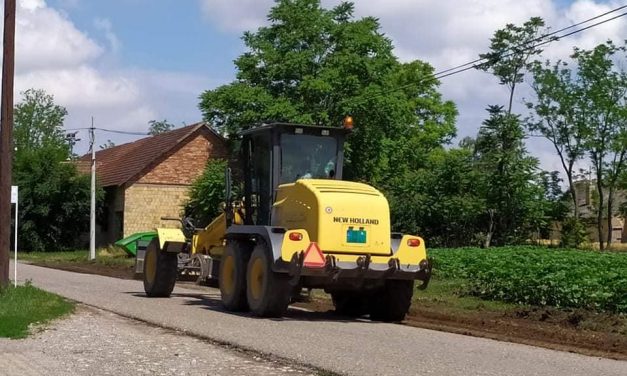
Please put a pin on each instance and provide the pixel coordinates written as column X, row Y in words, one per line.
column 538, row 276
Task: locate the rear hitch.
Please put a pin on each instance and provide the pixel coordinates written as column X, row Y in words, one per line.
column 296, row 268
column 426, row 266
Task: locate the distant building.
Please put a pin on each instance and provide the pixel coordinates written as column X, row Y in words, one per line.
column 587, row 196
column 150, row 178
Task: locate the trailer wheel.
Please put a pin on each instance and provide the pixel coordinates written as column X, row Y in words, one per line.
column 160, row 270
column 268, row 292
column 351, row 304
column 232, row 278
column 392, row 302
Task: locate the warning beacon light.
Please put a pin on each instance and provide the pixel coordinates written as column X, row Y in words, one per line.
column 348, row 122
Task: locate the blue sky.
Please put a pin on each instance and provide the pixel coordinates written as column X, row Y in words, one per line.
column 163, row 34
column 127, row 62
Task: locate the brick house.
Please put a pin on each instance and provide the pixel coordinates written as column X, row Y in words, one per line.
column 150, row 178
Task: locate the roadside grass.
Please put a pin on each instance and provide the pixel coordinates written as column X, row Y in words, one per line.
column 448, row 294
column 109, row 256
column 23, row 306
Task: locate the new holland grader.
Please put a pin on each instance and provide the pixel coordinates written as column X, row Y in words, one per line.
column 297, row 225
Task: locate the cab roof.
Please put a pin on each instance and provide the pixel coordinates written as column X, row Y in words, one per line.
column 290, row 127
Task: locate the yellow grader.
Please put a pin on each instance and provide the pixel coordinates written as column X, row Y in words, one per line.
column 297, row 225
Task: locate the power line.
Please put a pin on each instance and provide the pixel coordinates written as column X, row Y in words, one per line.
column 554, row 39
column 110, row 131
column 537, row 39
column 124, row 132
column 473, row 64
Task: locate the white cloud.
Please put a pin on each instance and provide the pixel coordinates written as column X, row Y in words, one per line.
column 54, row 55
column 45, row 39
column 236, row 16
column 104, row 25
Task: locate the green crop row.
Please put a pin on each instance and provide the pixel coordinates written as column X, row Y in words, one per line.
column 539, row 276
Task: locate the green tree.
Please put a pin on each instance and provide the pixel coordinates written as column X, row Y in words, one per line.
column 107, row 145
column 557, row 115
column 54, row 197
column 604, row 115
column 314, row 65
column 157, row 127
column 207, row 193
column 440, row 201
column 511, row 48
column 39, row 125
column 510, row 183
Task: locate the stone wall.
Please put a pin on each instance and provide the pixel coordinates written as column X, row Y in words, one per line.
column 145, row 204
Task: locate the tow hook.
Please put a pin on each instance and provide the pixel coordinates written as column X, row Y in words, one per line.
column 296, row 267
column 426, row 266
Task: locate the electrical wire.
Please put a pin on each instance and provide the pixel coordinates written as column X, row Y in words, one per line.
column 473, row 64
column 537, row 39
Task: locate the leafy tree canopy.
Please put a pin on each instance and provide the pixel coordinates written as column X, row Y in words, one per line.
column 207, row 193
column 316, row 66
column 38, row 123
column 54, row 197
column 157, row 127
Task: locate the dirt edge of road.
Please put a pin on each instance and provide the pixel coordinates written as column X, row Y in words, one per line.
column 518, row 327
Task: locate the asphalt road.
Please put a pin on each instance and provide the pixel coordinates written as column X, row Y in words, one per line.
column 319, row 339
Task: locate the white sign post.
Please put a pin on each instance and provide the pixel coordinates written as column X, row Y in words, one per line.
column 14, row 190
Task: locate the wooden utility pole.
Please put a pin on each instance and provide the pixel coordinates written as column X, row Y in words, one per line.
column 6, row 139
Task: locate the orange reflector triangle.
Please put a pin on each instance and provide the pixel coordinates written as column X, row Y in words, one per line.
column 314, row 257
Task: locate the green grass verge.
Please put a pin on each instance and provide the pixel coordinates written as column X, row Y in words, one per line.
column 25, row 305
column 111, row 256
column 450, row 294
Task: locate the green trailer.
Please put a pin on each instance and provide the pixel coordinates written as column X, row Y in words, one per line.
column 129, row 244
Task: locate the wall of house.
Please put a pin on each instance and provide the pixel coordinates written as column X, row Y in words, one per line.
column 185, row 164
column 145, row 204
column 163, row 190
column 617, row 230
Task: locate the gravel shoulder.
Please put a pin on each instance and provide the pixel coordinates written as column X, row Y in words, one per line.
column 96, row 342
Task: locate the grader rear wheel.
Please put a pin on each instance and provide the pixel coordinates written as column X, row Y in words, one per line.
column 352, row 304
column 232, row 278
column 160, row 271
column 268, row 292
column 392, row 302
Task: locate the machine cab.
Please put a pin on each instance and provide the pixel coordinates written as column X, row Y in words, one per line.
column 281, row 153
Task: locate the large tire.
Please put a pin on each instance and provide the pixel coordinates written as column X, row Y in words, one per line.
column 232, row 277
column 392, row 302
column 160, row 271
column 268, row 292
column 352, row 304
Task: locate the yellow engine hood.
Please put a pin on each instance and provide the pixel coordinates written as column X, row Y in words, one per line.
column 341, row 216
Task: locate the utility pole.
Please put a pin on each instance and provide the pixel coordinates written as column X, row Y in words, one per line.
column 6, row 138
column 92, row 211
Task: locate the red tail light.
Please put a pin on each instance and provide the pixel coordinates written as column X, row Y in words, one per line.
column 413, row 242
column 296, row 236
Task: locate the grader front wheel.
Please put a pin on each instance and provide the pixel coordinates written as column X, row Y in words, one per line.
column 232, row 278
column 268, row 292
column 160, row 271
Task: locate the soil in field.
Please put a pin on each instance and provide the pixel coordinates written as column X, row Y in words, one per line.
column 581, row 331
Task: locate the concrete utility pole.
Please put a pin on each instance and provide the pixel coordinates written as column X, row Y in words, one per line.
column 92, row 211
column 6, row 138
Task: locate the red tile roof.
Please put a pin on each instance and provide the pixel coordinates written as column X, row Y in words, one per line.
column 117, row 165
